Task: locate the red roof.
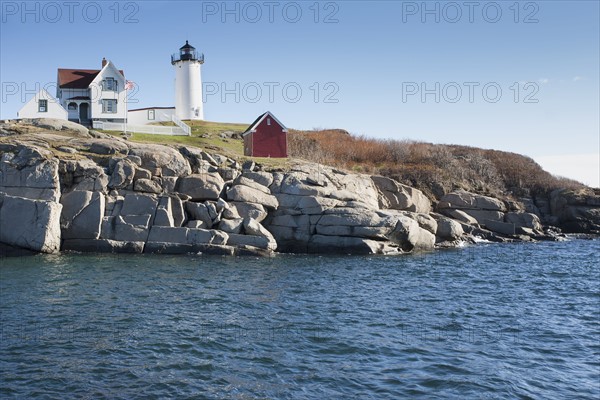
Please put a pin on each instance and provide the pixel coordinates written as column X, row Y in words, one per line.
column 258, row 120
column 77, row 78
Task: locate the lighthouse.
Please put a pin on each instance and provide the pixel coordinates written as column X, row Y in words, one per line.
column 188, row 83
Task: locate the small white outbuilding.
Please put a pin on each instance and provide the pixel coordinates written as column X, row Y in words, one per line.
column 43, row 105
column 149, row 115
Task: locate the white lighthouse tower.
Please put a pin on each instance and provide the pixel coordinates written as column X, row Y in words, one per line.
column 188, row 83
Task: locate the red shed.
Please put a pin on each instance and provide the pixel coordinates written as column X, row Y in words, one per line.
column 266, row 137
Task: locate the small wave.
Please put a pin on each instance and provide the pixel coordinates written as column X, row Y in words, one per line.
column 479, row 239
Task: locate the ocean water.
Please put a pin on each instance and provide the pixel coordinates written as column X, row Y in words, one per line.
column 492, row 321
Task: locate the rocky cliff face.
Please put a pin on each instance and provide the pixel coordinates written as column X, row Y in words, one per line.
column 475, row 212
column 576, row 211
column 29, row 195
column 66, row 190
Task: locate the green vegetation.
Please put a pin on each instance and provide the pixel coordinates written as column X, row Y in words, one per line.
column 205, row 134
column 215, row 128
column 230, row 147
column 210, row 128
column 217, row 137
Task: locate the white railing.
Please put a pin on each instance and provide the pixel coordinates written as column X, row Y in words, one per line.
column 152, row 129
column 182, row 125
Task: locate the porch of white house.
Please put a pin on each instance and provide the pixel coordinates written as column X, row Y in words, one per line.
column 79, row 109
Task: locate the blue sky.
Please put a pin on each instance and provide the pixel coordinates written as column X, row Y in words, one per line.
column 515, row 76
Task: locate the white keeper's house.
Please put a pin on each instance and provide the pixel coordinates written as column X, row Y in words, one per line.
column 99, row 96
column 84, row 95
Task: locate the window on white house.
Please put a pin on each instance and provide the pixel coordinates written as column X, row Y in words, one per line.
column 109, row 106
column 42, row 105
column 109, row 84
column 268, row 121
column 72, row 106
column 151, row 115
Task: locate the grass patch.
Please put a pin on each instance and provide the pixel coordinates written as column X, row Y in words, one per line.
column 215, row 128
column 206, row 135
column 229, row 147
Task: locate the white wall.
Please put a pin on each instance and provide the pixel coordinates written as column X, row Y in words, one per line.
column 54, row 109
column 97, row 94
column 140, row 117
column 68, row 93
column 73, row 114
column 188, row 90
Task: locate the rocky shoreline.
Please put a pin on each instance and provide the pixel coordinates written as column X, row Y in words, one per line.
column 64, row 188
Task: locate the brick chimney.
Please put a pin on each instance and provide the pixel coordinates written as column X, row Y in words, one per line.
column 104, row 62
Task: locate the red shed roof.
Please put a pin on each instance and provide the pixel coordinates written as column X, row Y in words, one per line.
column 258, row 120
column 77, row 78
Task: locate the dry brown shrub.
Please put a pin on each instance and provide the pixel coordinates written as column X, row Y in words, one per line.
column 428, row 166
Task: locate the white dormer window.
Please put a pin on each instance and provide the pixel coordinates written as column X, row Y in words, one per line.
column 109, row 84
column 42, row 105
column 269, row 121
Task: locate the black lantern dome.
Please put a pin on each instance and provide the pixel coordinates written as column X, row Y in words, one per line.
column 187, row 52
